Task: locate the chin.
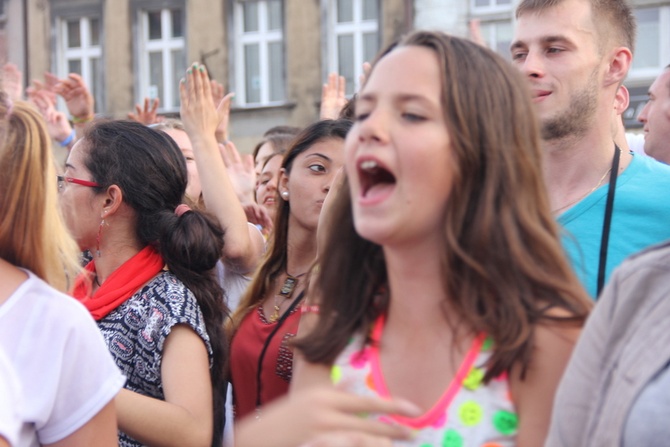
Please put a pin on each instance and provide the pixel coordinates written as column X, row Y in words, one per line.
column 371, row 231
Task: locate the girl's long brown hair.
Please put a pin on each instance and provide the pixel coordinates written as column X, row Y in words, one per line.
column 502, row 262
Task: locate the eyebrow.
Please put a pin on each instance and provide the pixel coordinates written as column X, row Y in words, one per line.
column 401, row 97
column 544, row 40
column 319, row 155
column 68, row 165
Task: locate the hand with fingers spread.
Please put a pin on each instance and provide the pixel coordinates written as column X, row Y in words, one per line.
column 333, row 97
column 11, row 81
column 244, row 244
column 77, row 96
column 146, row 115
column 324, row 417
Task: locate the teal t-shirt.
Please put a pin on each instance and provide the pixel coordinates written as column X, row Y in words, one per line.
column 641, row 218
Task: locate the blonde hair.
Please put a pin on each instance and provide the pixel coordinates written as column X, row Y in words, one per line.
column 32, row 231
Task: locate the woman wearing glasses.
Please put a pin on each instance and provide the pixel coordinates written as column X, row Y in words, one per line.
column 150, row 285
column 67, row 380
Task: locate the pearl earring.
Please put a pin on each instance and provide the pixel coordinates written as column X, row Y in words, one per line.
column 284, row 195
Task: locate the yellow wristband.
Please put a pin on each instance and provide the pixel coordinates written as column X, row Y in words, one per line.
column 78, row 120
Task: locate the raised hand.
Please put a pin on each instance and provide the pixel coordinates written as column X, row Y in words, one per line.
column 475, row 29
column 146, row 115
column 241, row 172
column 333, row 98
column 198, row 111
column 243, row 243
column 57, row 124
column 77, row 96
column 367, row 67
column 224, row 101
column 11, row 81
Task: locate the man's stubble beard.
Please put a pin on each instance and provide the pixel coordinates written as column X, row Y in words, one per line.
column 578, row 117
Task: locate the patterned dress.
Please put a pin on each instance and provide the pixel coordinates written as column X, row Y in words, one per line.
column 468, row 414
column 135, row 333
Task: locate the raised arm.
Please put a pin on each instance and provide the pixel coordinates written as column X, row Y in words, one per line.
column 333, row 98
column 58, row 126
column 79, row 101
column 243, row 243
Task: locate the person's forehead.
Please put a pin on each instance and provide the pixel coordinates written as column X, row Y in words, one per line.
column 665, row 76
column 661, row 85
column 567, row 18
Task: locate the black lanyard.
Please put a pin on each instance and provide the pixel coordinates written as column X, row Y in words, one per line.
column 267, row 344
column 607, row 221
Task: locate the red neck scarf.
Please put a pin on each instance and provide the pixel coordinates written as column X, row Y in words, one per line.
column 120, row 285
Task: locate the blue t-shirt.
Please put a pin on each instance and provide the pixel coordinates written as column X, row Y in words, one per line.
column 641, row 218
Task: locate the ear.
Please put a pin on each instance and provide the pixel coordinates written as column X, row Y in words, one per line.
column 620, row 61
column 283, row 181
column 621, row 100
column 113, row 199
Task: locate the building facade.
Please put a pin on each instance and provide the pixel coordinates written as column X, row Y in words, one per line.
column 274, row 54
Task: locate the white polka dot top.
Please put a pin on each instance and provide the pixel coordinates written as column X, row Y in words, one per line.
column 468, row 414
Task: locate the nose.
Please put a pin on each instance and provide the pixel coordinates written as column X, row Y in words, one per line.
column 642, row 117
column 533, row 65
column 374, row 127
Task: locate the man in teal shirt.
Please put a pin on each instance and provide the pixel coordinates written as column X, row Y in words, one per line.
column 575, row 56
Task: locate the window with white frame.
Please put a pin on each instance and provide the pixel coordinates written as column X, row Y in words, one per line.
column 79, row 51
column 162, row 56
column 353, row 38
column 259, row 46
column 498, row 36
column 491, row 5
column 652, row 49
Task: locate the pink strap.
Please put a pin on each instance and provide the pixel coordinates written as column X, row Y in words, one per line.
column 432, row 415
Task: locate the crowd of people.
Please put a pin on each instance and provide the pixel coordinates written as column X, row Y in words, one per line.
column 465, row 253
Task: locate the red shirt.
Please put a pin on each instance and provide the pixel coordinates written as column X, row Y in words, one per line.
column 277, row 367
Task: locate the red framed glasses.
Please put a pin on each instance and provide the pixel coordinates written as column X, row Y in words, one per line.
column 62, row 181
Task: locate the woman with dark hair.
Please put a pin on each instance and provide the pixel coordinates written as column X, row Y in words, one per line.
column 443, row 280
column 150, row 285
column 267, row 318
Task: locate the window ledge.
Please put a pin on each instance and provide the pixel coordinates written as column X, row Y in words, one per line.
column 256, row 108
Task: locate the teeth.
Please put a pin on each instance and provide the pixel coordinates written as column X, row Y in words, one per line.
column 369, row 165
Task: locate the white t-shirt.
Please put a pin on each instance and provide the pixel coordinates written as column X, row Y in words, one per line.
column 10, row 390
column 65, row 370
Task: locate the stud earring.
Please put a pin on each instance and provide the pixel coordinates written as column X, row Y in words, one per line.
column 284, row 195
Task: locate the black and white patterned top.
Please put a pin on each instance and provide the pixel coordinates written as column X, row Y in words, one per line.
column 135, row 333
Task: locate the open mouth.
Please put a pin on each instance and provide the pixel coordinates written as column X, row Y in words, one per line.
column 373, row 176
